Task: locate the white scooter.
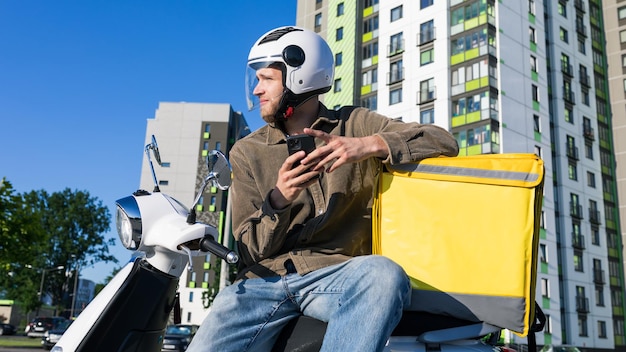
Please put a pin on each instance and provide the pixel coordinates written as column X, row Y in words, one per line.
column 132, row 311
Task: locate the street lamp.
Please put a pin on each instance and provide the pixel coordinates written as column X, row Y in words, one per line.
column 43, row 276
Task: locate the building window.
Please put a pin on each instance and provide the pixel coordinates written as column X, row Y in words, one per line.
column 396, row 72
column 191, row 296
column 563, row 35
column 532, row 33
column 369, row 3
column 591, row 179
column 427, row 116
column 370, row 24
column 595, row 236
column 370, row 50
column 395, row 96
column 621, row 13
column 339, row 34
column 562, row 9
column 589, row 151
column 396, row 44
column 425, row 3
column 585, row 96
column 536, row 123
column 427, row 91
column 427, row 56
column 338, row 59
column 582, row 325
column 318, row 22
column 427, row 32
column 535, row 92
column 337, row 85
column 572, row 171
column 369, row 77
column 533, row 64
column 340, row 9
column 543, row 253
column 581, row 46
column 602, row 329
column 599, row 296
column 370, row 102
column 622, row 36
column 545, row 288
column 531, row 6
column 396, row 13
column 568, row 115
column 578, row 261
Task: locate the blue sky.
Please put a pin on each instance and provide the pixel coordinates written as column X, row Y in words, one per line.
column 79, row 79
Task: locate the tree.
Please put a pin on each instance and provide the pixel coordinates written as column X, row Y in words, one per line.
column 40, row 231
column 21, row 242
column 74, row 223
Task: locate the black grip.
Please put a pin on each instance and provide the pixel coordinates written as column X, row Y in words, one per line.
column 208, row 244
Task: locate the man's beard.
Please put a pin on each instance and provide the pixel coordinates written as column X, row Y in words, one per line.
column 269, row 117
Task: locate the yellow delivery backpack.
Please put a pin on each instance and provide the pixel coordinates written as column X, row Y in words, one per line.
column 466, row 230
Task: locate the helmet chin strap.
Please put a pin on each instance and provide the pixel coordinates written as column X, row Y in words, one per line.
column 286, row 106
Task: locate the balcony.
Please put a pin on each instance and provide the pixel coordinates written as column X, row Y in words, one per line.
column 395, row 48
column 578, row 241
column 567, row 69
column 426, row 95
column 579, row 5
column 598, row 276
column 426, row 36
column 589, row 133
column 582, row 304
column 395, row 76
column 571, row 152
column 576, row 210
column 584, row 79
column 594, row 216
column 569, row 96
column 581, row 29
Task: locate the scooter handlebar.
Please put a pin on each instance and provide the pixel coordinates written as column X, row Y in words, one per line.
column 208, row 244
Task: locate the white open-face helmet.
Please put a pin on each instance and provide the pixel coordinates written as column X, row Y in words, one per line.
column 307, row 64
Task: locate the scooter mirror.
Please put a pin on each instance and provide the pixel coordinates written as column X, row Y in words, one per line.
column 155, row 150
column 219, row 169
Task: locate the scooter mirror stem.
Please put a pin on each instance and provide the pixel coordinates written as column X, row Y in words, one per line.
column 191, row 218
column 153, row 146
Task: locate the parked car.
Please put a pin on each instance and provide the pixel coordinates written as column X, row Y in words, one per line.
column 559, row 348
column 38, row 326
column 7, row 329
column 52, row 336
column 178, row 337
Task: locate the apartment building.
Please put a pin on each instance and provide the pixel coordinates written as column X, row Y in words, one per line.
column 185, row 133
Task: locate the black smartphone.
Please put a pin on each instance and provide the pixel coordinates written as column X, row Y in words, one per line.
column 300, row 142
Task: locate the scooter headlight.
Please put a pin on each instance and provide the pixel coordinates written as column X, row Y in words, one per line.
column 128, row 221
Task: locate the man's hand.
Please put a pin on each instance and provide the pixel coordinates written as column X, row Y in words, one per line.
column 340, row 150
column 293, row 180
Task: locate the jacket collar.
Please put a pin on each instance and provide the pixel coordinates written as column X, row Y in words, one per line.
column 326, row 121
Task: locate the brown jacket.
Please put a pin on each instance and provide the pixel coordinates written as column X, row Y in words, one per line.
column 330, row 222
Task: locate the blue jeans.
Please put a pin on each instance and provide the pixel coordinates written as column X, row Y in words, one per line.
column 361, row 299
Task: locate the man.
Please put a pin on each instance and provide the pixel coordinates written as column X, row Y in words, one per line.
column 303, row 222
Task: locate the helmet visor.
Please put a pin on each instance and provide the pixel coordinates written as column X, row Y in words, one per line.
column 251, row 82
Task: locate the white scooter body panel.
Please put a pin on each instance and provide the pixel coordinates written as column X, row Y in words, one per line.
column 73, row 336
